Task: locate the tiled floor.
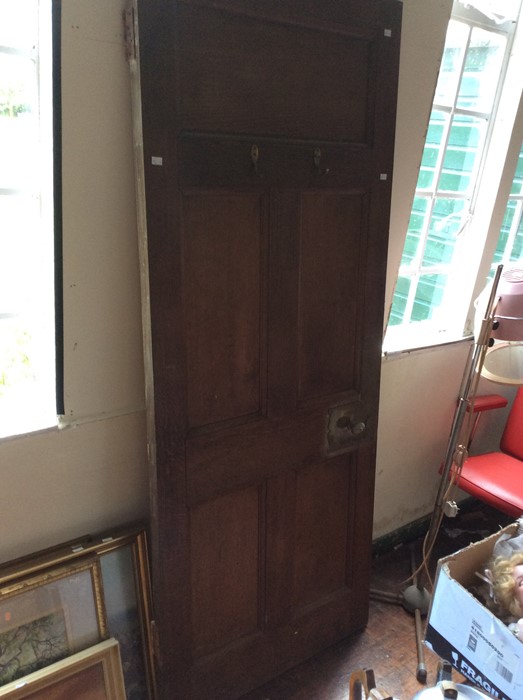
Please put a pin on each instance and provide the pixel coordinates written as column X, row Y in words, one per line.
column 388, row 644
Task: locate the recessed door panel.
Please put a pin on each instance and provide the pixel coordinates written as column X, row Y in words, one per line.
column 225, row 569
column 322, row 554
column 332, row 238
column 223, row 244
column 222, row 94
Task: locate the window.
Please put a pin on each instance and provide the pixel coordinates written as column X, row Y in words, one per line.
column 509, row 248
column 27, row 329
column 442, row 262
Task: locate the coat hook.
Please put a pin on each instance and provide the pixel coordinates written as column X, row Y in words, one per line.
column 317, row 162
column 255, row 154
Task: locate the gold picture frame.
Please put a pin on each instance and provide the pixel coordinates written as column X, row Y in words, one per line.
column 48, row 616
column 95, row 672
column 122, row 556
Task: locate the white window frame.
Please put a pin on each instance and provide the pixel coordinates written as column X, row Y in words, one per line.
column 479, row 235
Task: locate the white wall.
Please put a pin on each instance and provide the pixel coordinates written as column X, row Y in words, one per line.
column 418, row 398
column 64, row 483
column 60, row 484
column 418, row 389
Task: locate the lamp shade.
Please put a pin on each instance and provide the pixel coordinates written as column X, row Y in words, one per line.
column 503, row 362
column 508, row 312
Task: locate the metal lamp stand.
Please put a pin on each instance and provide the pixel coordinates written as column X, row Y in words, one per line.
column 416, row 598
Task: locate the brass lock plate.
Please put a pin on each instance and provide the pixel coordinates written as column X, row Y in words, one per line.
column 346, row 424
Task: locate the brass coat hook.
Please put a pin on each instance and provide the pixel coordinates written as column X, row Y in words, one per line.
column 255, row 154
column 317, row 162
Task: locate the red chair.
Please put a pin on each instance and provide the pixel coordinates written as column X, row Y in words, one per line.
column 496, row 478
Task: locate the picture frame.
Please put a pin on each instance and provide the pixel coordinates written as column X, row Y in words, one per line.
column 48, row 616
column 92, row 674
column 127, row 597
column 122, row 555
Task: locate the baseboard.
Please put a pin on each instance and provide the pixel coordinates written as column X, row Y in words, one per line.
column 413, row 530
column 403, row 535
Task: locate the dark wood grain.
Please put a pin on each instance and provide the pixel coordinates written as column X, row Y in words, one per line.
column 266, row 295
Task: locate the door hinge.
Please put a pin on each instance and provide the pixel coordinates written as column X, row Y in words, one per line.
column 129, row 33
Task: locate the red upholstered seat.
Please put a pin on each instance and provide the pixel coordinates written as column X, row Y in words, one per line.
column 512, row 440
column 496, row 478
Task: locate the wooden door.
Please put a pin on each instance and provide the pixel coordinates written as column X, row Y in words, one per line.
column 268, row 133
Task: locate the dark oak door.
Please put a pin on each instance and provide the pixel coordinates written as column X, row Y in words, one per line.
column 268, row 137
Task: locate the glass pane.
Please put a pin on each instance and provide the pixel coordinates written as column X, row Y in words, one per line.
column 22, row 251
column 415, row 230
column 450, row 70
column 504, row 232
column 481, row 72
column 429, row 294
column 19, row 23
column 16, row 349
column 26, row 317
column 436, row 135
column 517, row 249
column 465, row 140
column 18, row 121
column 446, row 221
column 399, row 301
column 27, row 343
column 517, row 183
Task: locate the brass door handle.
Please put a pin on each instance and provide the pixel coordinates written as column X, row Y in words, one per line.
column 354, row 427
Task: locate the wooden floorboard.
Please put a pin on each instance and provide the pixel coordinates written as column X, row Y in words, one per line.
column 388, row 644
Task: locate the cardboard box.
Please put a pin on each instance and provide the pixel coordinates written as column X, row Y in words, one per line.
column 464, row 632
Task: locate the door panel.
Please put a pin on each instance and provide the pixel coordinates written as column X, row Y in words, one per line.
column 321, row 535
column 299, row 105
column 332, row 236
column 223, row 264
column 225, row 557
column 268, row 138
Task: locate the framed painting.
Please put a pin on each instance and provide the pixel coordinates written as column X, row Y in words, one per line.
column 126, row 594
column 92, row 674
column 49, row 616
column 125, row 576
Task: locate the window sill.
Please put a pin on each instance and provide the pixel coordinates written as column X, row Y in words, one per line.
column 391, row 353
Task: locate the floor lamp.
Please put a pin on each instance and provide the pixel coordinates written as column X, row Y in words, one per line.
column 502, row 319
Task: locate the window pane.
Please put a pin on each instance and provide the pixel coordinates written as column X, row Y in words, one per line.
column 27, row 343
column 429, row 294
column 26, row 317
column 517, row 183
column 18, row 121
column 509, row 247
column 451, row 63
column 415, row 230
column 481, row 72
column 436, row 135
column 517, row 248
column 465, row 139
column 444, row 226
column 504, row 234
column 20, row 217
column 18, row 23
column 399, row 303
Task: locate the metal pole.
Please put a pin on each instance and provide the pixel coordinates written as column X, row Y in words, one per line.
column 416, row 596
column 457, row 449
